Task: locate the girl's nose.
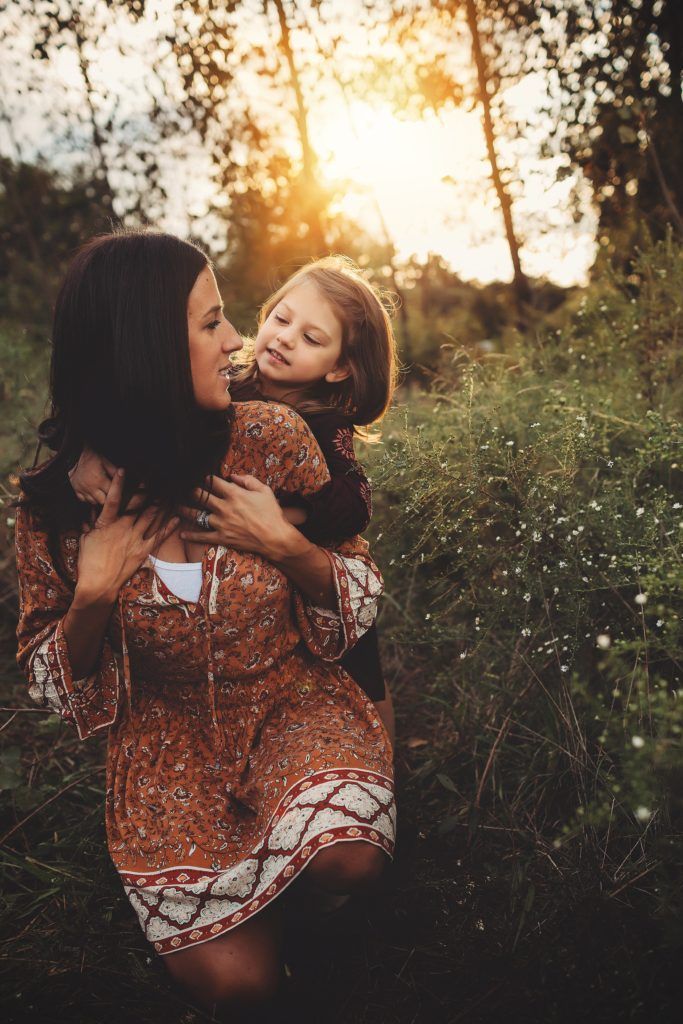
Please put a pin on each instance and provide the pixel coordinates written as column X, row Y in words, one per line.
column 286, row 335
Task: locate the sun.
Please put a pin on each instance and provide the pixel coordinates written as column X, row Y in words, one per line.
column 427, row 183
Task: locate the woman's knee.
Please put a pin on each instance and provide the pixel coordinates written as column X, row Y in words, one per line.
column 231, row 984
column 348, row 867
column 242, row 968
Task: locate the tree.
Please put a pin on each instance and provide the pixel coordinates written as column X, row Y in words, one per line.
column 483, row 78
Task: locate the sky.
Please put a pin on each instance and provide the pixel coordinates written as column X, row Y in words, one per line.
column 423, row 180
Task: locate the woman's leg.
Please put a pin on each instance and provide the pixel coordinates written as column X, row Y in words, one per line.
column 239, row 971
column 348, row 867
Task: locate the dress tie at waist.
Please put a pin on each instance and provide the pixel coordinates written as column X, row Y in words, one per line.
column 219, row 737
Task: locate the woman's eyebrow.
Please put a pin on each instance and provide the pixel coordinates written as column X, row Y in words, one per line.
column 214, row 309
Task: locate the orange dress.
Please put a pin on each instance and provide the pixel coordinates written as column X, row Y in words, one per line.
column 237, row 747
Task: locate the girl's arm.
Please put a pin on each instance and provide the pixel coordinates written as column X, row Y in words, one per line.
column 91, row 477
column 343, row 506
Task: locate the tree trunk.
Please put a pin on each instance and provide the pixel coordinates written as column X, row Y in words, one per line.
column 310, row 177
column 521, row 281
column 98, row 140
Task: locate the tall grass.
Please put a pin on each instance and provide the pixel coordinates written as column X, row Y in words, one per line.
column 529, row 522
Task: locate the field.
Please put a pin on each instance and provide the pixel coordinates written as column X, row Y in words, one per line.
column 529, row 523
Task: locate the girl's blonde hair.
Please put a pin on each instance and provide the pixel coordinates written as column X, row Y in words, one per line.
column 368, row 346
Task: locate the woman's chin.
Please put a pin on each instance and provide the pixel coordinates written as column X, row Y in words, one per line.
column 216, row 403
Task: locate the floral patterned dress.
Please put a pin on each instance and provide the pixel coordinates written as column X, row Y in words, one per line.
column 237, row 747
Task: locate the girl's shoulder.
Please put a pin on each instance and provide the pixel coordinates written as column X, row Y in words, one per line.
column 327, row 420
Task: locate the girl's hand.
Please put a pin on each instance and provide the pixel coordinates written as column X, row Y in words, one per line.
column 243, row 514
column 91, row 477
column 115, row 546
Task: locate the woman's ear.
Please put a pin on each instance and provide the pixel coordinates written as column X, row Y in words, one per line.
column 339, row 373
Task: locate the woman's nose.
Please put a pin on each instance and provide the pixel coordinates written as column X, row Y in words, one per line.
column 232, row 341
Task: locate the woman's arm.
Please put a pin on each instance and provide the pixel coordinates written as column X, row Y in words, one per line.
column 244, row 514
column 62, row 646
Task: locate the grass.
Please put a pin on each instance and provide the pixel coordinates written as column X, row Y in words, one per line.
column 521, row 507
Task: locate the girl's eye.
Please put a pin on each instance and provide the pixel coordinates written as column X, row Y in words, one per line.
column 280, row 319
column 311, row 340
column 213, row 325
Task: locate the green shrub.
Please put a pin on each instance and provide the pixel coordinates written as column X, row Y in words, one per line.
column 529, row 522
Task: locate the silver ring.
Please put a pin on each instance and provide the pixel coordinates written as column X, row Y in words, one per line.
column 203, row 520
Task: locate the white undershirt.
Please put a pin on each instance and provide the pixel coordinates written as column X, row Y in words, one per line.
column 184, row 579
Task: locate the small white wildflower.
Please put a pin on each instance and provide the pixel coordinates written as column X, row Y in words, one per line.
column 509, row 443
column 677, row 504
column 643, row 813
column 526, row 631
column 660, row 622
column 564, row 668
column 603, row 640
column 638, row 742
column 463, row 655
column 640, row 599
column 427, row 616
column 640, row 511
column 527, row 596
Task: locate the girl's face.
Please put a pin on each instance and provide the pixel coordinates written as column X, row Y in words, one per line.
column 211, row 340
column 299, row 343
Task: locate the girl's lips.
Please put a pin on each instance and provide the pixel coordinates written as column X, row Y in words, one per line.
column 276, row 357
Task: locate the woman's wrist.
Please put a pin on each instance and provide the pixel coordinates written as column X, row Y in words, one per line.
column 87, row 598
column 286, row 544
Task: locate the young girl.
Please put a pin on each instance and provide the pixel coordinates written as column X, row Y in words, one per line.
column 325, row 346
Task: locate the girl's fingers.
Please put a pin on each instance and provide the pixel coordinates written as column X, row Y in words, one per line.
column 109, row 468
column 99, row 497
column 112, row 501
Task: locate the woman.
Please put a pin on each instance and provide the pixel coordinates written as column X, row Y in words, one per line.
column 239, row 756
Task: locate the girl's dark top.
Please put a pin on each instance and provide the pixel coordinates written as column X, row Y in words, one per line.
column 342, row 508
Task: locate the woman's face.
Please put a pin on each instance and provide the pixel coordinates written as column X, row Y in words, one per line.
column 211, row 340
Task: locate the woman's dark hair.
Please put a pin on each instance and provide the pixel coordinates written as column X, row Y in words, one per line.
column 120, row 377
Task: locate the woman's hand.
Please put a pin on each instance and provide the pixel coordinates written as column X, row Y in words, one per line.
column 115, row 546
column 91, row 477
column 243, row 514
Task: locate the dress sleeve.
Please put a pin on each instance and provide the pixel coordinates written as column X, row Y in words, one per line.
column 89, row 704
column 329, row 633
column 343, row 506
